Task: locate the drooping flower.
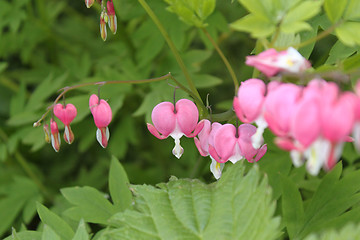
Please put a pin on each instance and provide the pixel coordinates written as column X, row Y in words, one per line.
column 248, row 106
column 103, row 20
column 271, row 62
column 66, row 115
column 102, row 115
column 231, row 144
column 202, row 142
column 175, row 122
column 89, row 3
column 55, row 137
column 112, row 17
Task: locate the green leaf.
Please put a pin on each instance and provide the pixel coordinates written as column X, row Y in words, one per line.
column 351, row 63
column 90, row 204
column 81, row 233
column 239, row 206
column 339, row 51
column 350, row 231
column 257, row 26
column 292, row 206
column 334, row 9
column 352, row 11
column 256, row 7
column 25, row 235
column 48, row 233
column 349, row 33
column 18, row 102
column 119, row 186
column 192, row 12
column 57, row 224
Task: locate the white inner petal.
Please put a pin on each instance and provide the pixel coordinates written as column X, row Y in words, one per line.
column 216, row 168
column 316, row 155
column 237, row 154
column 176, row 135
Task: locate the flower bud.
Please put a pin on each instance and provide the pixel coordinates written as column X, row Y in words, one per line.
column 112, row 17
column 103, row 20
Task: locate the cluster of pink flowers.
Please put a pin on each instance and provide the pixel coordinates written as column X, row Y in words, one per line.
column 107, row 15
column 221, row 142
column 312, row 122
column 102, row 115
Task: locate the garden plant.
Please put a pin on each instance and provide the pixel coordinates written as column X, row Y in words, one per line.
column 179, row 119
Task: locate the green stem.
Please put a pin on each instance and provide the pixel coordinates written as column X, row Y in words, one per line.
column 26, row 167
column 178, row 58
column 224, row 59
column 67, row 89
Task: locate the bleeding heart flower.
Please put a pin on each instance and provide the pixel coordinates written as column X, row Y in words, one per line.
column 175, row 122
column 89, row 3
column 66, row 115
column 231, row 144
column 102, row 114
column 55, row 137
column 271, row 62
column 103, row 20
column 112, row 17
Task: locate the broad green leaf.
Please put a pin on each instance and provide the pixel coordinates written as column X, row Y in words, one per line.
column 292, row 206
column 339, row 51
column 48, row 233
column 119, row 186
column 192, row 12
column 81, row 233
column 295, row 27
column 90, row 204
column 351, row 63
column 25, row 235
column 18, row 102
column 57, row 224
column 334, row 9
column 3, row 152
column 349, row 232
column 349, row 33
column 256, row 7
column 258, row 27
column 352, row 11
column 239, row 206
column 206, row 80
column 324, row 209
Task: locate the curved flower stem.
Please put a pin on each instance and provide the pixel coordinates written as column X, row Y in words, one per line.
column 224, row 59
column 178, row 58
column 67, row 89
column 27, row 169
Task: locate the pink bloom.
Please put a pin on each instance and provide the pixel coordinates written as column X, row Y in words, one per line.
column 89, row 3
column 231, row 144
column 66, row 115
column 279, row 107
column 102, row 114
column 112, row 17
column 249, row 101
column 356, row 130
column 206, row 138
column 175, row 122
column 271, row 62
column 55, row 137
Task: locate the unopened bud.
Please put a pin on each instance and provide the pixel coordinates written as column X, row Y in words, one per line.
column 47, row 133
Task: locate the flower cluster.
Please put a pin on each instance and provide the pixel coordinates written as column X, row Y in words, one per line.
column 102, row 115
column 221, row 142
column 107, row 15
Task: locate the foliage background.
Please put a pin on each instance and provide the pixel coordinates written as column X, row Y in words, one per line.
column 46, row 45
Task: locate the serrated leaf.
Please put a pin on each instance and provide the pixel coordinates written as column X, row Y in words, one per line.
column 119, row 186
column 57, row 224
column 239, row 206
column 334, row 9
column 256, row 7
column 339, row 51
column 350, row 231
column 81, row 233
column 351, row 63
column 292, row 206
column 90, row 204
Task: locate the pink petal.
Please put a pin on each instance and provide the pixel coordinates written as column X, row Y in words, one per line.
column 224, row 142
column 261, row 152
column 154, row 132
column 187, row 115
column 246, row 131
column 102, row 114
column 65, row 114
column 164, row 118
